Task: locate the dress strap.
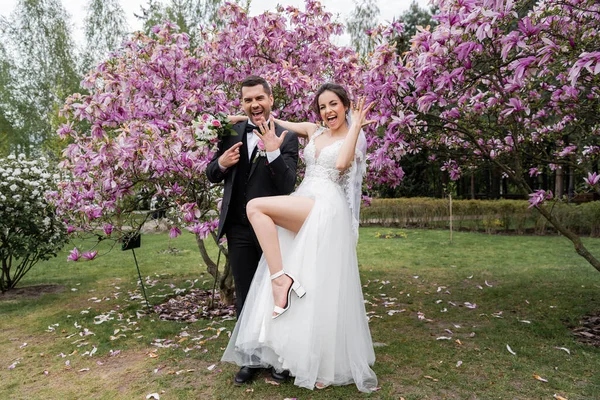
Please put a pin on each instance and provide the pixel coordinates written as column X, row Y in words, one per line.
column 318, row 132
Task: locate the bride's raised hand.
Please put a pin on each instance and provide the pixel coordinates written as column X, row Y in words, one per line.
column 359, row 111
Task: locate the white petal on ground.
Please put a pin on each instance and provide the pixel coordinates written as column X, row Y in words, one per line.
column 458, row 363
column 153, row 396
column 510, row 350
column 563, row 349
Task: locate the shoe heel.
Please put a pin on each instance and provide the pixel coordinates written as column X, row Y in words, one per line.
column 298, row 289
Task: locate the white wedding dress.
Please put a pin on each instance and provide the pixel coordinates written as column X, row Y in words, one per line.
column 324, row 337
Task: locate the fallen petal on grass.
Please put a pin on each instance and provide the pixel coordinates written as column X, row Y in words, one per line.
column 559, row 397
column 458, row 363
column 510, row 350
column 430, row 377
column 154, row 396
column 271, row 382
column 564, row 349
column 539, row 378
column 13, row 365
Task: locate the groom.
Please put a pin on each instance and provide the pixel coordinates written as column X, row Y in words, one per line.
column 248, row 173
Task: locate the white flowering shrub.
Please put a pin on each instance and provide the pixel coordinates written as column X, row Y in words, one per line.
column 29, row 229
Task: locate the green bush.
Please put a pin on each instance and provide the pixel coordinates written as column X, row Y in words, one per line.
column 491, row 216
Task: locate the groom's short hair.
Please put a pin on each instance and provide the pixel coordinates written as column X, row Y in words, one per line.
column 254, row 80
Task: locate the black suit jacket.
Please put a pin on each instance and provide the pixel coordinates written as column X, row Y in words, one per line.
column 265, row 179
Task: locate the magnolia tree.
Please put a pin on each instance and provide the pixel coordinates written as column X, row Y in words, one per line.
column 136, row 134
column 495, row 81
column 29, row 228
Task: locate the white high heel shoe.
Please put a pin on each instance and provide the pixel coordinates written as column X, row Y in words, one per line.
column 295, row 286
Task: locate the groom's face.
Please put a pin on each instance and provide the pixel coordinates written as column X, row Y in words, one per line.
column 256, row 103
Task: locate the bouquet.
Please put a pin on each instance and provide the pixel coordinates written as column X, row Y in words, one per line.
column 209, row 129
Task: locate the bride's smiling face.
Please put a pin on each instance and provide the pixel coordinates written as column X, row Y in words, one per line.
column 332, row 110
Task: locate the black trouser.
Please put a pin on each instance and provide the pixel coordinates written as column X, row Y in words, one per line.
column 244, row 254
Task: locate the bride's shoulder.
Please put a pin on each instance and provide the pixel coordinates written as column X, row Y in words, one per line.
column 318, row 129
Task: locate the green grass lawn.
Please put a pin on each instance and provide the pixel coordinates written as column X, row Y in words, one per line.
column 528, row 291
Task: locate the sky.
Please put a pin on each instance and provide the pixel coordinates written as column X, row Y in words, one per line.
column 388, row 9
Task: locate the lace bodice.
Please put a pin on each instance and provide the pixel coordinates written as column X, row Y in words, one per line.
column 322, row 165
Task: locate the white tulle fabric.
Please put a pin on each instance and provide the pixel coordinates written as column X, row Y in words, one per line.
column 324, row 337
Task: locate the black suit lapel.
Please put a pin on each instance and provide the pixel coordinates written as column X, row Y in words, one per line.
column 254, row 161
column 241, row 137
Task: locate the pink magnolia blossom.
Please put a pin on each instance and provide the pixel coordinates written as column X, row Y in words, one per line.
column 592, row 179
column 537, row 198
column 174, row 232
column 89, row 255
column 534, row 172
column 108, row 228
column 74, row 255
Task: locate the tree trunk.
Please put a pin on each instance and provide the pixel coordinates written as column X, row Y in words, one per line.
column 224, row 279
column 571, row 186
column 559, row 184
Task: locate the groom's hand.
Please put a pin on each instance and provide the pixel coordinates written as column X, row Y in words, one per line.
column 231, row 156
column 267, row 134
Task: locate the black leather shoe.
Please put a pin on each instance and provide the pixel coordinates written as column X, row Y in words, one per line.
column 245, row 374
column 280, row 376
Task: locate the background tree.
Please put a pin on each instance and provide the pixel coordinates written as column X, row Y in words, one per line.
column 105, row 27
column 39, row 44
column 412, row 18
column 8, row 135
column 189, row 15
column 363, row 18
column 491, row 86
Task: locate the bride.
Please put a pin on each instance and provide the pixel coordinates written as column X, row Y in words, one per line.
column 320, row 334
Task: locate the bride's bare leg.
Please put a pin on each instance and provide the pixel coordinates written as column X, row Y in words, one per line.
column 264, row 214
